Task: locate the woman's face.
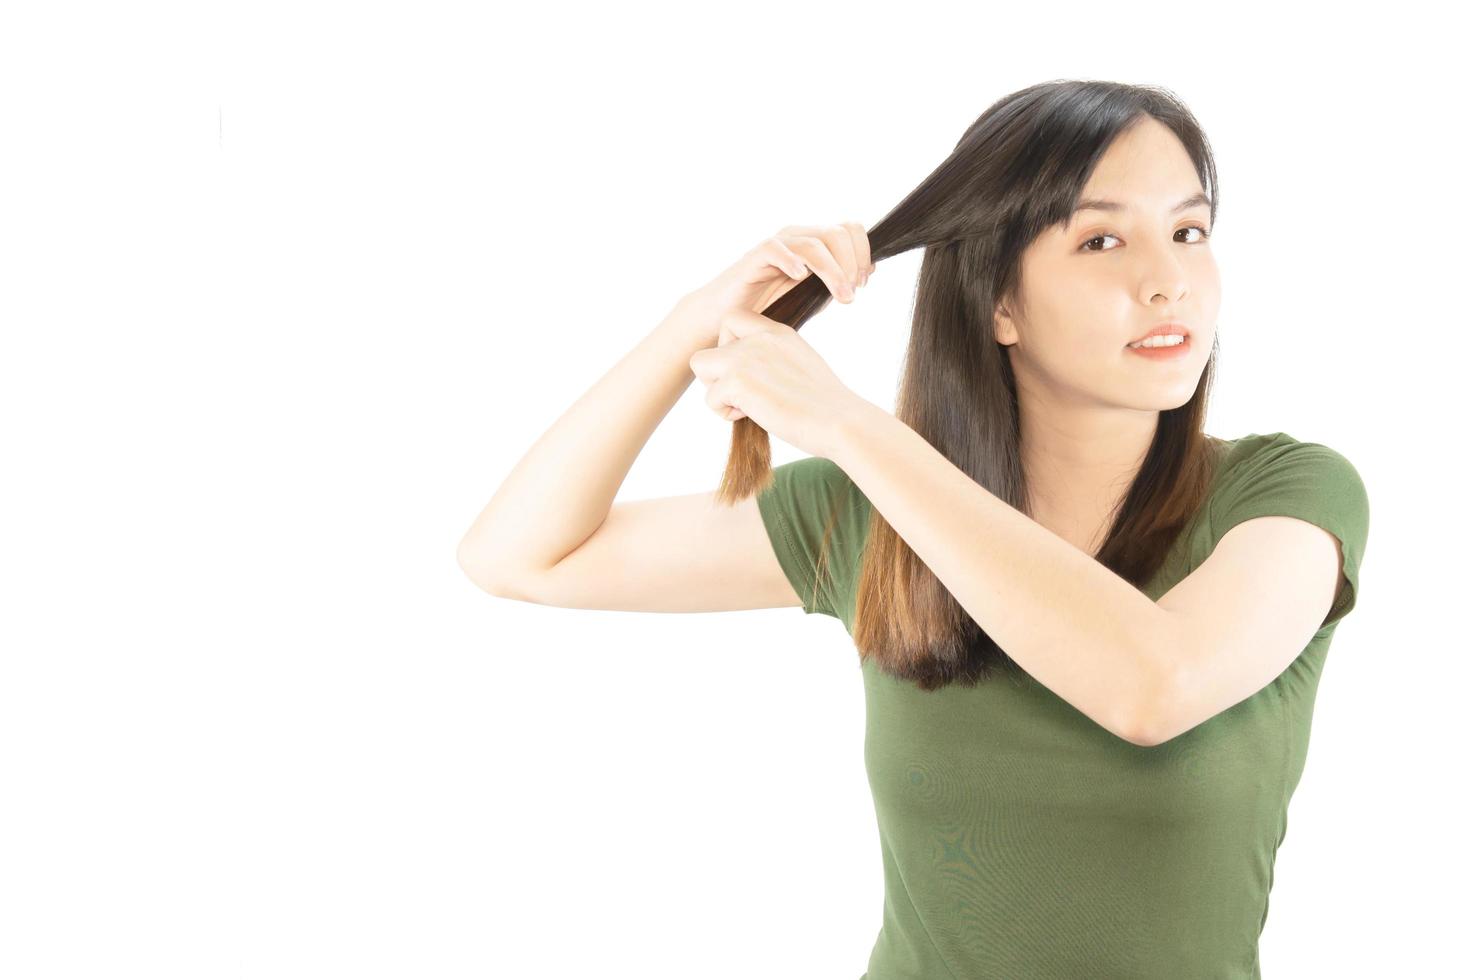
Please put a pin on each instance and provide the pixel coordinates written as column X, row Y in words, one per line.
column 1109, row 276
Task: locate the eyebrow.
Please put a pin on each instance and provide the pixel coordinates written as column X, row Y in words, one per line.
column 1094, row 204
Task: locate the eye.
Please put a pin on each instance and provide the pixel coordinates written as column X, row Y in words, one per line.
column 1203, row 235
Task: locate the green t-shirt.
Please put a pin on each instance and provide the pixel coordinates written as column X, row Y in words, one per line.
column 1021, row 839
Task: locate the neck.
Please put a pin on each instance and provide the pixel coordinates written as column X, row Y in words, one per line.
column 1079, row 464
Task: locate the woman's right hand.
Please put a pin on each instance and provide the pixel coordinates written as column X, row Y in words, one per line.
column 839, row 254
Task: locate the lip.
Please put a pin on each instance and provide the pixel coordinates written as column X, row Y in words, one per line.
column 1169, row 327
column 1164, row 353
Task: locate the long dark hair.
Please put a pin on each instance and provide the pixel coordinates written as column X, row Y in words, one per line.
column 1017, row 170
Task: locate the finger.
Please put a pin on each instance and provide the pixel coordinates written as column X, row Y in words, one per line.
column 839, row 238
column 863, row 248
column 707, row 364
column 720, row 408
column 817, row 255
column 776, row 253
column 743, row 324
column 862, row 264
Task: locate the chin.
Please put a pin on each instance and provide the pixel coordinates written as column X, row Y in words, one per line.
column 1161, row 399
column 1177, row 399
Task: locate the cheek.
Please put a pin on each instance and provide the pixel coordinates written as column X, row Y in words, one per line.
column 1076, row 351
column 1206, row 282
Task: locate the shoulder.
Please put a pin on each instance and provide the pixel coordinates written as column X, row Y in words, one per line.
column 1276, row 473
column 812, row 479
column 812, row 468
column 816, row 518
column 1249, row 457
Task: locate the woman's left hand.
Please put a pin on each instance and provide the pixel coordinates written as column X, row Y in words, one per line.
column 765, row 370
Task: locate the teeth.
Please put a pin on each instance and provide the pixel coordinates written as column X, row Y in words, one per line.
column 1166, row 340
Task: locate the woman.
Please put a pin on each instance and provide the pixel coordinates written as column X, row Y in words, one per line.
column 1090, row 634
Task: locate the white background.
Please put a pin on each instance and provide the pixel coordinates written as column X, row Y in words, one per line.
column 289, row 288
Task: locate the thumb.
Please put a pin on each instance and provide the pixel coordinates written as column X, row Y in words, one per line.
column 740, row 323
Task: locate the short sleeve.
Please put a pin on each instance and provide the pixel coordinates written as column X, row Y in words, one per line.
column 810, row 499
column 1305, row 480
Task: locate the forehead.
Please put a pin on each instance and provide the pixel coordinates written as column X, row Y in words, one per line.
column 1146, row 168
column 1106, row 206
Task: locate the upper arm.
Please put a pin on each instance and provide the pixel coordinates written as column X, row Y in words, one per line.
column 1290, row 533
column 668, row 554
column 1238, row 621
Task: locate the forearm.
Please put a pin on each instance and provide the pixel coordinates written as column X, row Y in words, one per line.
column 559, row 493
column 1077, row 627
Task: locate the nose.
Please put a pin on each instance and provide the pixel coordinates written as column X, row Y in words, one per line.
column 1163, row 274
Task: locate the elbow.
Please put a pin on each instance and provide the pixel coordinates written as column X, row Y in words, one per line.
column 472, row 564
column 1147, row 733
column 1145, row 738
column 1156, row 717
column 488, row 577
column 1158, row 720
column 1141, row 730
